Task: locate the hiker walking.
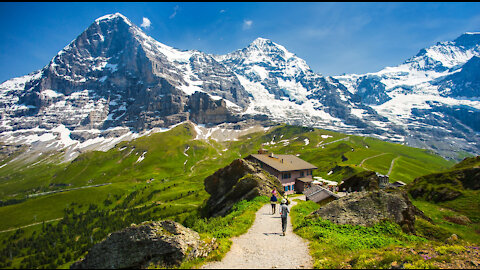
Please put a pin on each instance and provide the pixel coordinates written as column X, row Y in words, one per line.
column 273, row 201
column 284, row 214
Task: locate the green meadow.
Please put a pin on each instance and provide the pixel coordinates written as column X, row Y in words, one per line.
column 383, row 245
column 161, row 175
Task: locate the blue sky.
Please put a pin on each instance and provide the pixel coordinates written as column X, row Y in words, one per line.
column 333, row 38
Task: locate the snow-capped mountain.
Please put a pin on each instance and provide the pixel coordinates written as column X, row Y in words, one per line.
column 113, row 79
column 127, row 73
column 113, row 83
column 284, row 87
column 433, row 96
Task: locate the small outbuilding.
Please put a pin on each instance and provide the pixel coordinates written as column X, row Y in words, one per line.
column 398, row 184
column 317, row 194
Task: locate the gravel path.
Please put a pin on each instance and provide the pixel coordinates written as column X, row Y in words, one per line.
column 263, row 246
column 361, row 163
column 391, row 166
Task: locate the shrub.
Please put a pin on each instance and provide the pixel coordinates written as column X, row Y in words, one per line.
column 445, row 250
column 431, row 231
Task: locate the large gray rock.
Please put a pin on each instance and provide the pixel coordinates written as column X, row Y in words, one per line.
column 241, row 180
column 366, row 180
column 370, row 207
column 166, row 243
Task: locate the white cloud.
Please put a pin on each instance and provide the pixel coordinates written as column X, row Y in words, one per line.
column 247, row 24
column 174, row 12
column 146, row 23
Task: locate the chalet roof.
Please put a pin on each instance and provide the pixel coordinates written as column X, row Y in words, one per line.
column 317, row 197
column 312, row 190
column 305, row 179
column 315, row 193
column 284, row 163
column 399, row 183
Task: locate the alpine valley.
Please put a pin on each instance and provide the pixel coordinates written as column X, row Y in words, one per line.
column 114, row 83
column 123, row 152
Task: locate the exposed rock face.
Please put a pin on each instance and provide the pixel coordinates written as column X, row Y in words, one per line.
column 238, row 181
column 464, row 83
column 114, row 75
column 370, row 207
column 204, row 110
column 367, row 179
column 166, row 243
column 371, row 91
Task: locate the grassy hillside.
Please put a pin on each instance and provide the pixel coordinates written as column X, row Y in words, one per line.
column 452, row 198
column 384, row 245
column 161, row 176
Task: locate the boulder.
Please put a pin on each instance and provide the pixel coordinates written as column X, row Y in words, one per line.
column 370, row 207
column 165, row 243
column 363, row 181
column 238, row 181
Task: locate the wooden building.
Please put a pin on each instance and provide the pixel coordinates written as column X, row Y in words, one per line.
column 294, row 173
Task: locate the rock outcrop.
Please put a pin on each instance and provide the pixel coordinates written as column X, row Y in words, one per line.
column 238, row 181
column 165, row 243
column 363, row 181
column 370, row 207
column 205, row 110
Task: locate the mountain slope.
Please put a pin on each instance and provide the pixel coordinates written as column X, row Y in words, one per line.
column 286, row 89
column 114, row 83
column 160, row 176
column 432, row 95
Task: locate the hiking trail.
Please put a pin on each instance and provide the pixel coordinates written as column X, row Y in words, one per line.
column 263, row 246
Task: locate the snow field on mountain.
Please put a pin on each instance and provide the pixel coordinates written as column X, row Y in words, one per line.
column 281, row 110
column 399, row 109
column 450, row 55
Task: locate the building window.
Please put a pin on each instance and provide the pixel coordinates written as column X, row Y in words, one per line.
column 286, row 188
column 293, row 187
column 286, row 175
column 302, row 174
column 309, row 172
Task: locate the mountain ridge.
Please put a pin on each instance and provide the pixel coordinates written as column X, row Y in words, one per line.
column 114, row 76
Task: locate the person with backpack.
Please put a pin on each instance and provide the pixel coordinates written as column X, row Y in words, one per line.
column 284, row 214
column 273, row 201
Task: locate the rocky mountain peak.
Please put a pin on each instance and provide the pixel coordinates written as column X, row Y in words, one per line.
column 263, row 52
column 266, row 45
column 114, row 75
column 468, row 40
column 447, row 55
column 113, row 17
